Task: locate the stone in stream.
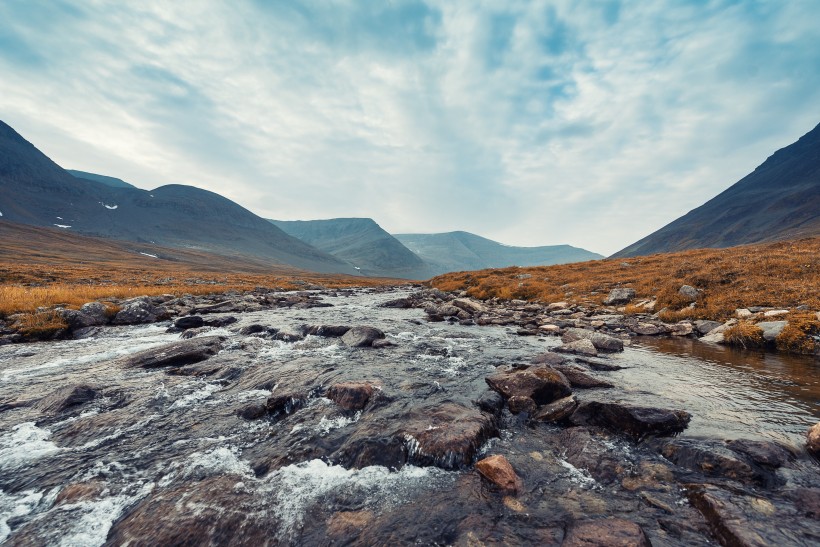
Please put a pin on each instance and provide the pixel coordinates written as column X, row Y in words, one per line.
column 585, row 448
column 286, row 402
column 606, row 533
column 583, row 347
column 189, row 322
column 602, row 342
column 648, row 329
column 520, row 404
column 137, row 311
column 766, row 453
column 713, row 459
column 66, row 398
column 497, row 470
column 360, row 337
column 598, row 365
column 542, row 384
column 619, row 296
column 256, row 328
column 350, row 395
column 328, row 331
column 813, row 440
column 556, row 411
column 176, row 354
column 579, row 378
column 491, row 402
column 284, row 336
column 635, row 421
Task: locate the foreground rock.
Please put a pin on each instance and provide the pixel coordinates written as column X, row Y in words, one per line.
column 602, row 342
column 498, row 471
column 635, row 421
column 606, row 533
column 361, row 337
column 350, row 395
column 541, row 384
column 178, row 354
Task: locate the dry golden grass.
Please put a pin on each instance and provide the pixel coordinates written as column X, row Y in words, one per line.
column 41, row 324
column 797, row 336
column 744, row 334
column 782, row 274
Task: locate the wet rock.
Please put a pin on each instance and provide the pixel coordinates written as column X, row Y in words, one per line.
column 598, row 365
column 192, row 333
column 189, row 322
column 76, row 319
column 807, row 501
column 550, row 329
column 255, row 328
column 446, row 436
column 359, row 337
column 582, row 447
column 382, row 343
column 66, row 398
column 176, row 354
column 715, row 336
column 542, row 384
column 221, row 322
column 619, row 296
column 705, row 327
column 556, row 411
column 284, row 336
column 549, row 358
column 286, row 402
column 813, row 439
column 328, row 331
column 80, row 491
column 400, row 303
column 497, row 470
column 689, row 292
column 772, row 329
column 374, row 443
column 681, row 329
column 713, row 460
column 226, row 306
column 583, row 347
column 97, row 312
column 764, row 453
column 602, row 342
column 470, row 306
column 137, row 312
column 350, row 395
column 579, row 378
column 491, row 402
column 606, row 533
column 632, row 420
column 648, row 329
column 253, row 411
column 519, row 404
column 348, row 524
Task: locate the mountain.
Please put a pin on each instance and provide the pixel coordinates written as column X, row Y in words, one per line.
column 778, row 200
column 108, row 181
column 35, row 190
column 459, row 251
column 362, row 243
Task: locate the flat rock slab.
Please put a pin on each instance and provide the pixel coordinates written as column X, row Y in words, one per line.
column 542, row 384
column 66, row 398
column 635, row 421
column 578, row 378
column 606, row 533
column 177, row 354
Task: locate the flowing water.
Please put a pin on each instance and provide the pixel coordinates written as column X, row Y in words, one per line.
column 168, row 451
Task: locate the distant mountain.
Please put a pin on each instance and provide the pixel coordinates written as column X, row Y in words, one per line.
column 459, row 251
column 778, row 200
column 108, row 181
column 35, row 190
column 362, row 243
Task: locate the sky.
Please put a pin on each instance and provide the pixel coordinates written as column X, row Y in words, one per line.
column 590, row 123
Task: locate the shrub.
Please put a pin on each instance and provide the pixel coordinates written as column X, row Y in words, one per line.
column 798, row 335
column 40, row 325
column 744, row 334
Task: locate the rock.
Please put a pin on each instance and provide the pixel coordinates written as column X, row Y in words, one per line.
column 813, row 440
column 704, row 326
column 497, row 470
column 598, row 365
column 602, row 342
column 619, row 296
column 80, row 491
column 807, row 501
column 399, row 303
column 66, row 398
column 633, row 420
column 253, row 411
column 176, row 354
column 689, row 292
column 681, row 329
column 765, row 453
column 775, row 313
column 519, row 404
column 606, row 533
column 715, row 336
column 743, row 313
column 554, row 306
column 189, row 322
column 772, row 329
column 542, row 384
column 550, row 329
column 137, row 312
column 97, row 312
column 713, row 460
column 220, row 322
column 359, row 337
column 579, row 378
column 583, row 347
column 77, row 320
column 328, row 331
column 583, row 449
column 350, row 395
column 446, row 436
column 348, row 524
column 286, row 402
column 284, row 336
column 255, row 328
column 549, row 358
column 556, row 411
column 470, row 306
column 647, row 329
column 191, row 333
column 490, row 402
column 383, row 343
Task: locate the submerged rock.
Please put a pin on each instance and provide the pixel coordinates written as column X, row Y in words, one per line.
column 177, row 354
column 633, row 420
column 328, row 331
column 66, row 398
column 498, row 471
column 606, row 533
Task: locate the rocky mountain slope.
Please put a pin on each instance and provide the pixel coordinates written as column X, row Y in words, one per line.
column 108, row 181
column 35, row 190
column 458, row 251
column 362, row 243
column 779, row 200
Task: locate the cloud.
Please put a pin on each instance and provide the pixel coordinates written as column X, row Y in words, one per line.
column 531, row 122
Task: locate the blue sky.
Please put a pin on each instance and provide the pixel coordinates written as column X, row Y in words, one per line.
column 591, row 123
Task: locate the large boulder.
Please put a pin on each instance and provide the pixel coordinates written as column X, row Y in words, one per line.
column 713, row 460
column 497, row 470
column 580, row 347
column 606, row 533
column 636, row 421
column 602, row 342
column 350, row 395
column 177, row 354
column 619, row 296
column 139, row 311
column 360, row 337
column 470, row 306
column 189, row 322
column 556, row 411
column 689, row 292
column 542, row 384
column 327, row 331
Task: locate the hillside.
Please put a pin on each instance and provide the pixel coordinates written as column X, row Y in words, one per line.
column 360, row 242
column 108, row 181
column 35, row 190
column 459, row 251
column 778, row 200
